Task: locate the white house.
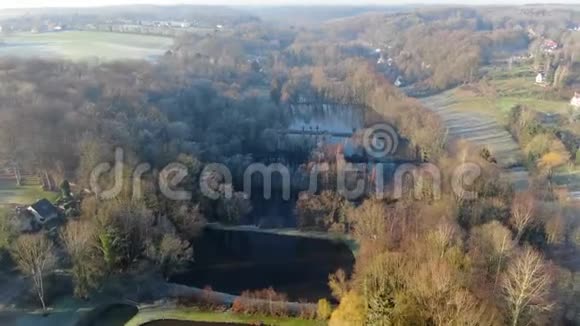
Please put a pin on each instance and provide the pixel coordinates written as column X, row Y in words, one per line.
column 399, row 81
column 381, row 60
column 575, row 101
column 540, row 78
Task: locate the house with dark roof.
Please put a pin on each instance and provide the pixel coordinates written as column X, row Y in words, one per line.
column 43, row 211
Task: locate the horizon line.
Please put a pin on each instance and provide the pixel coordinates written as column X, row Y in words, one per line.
column 489, row 3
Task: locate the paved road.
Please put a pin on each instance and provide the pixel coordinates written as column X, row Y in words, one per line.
column 485, row 131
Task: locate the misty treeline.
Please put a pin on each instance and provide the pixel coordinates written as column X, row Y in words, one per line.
column 144, row 19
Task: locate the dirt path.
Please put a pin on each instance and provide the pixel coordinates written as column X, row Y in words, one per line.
column 482, row 130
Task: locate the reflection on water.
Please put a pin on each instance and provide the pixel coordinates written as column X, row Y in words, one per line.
column 330, row 117
column 272, row 213
column 235, row 261
column 110, row 315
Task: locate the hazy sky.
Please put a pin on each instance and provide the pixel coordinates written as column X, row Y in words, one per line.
column 87, row 3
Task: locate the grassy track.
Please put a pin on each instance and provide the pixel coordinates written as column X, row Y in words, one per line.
column 79, row 45
column 147, row 315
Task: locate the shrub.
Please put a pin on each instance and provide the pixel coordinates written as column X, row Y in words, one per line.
column 265, row 301
column 324, row 309
column 306, row 310
column 239, row 305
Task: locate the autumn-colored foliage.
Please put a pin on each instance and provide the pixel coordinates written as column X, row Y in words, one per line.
column 323, row 310
column 266, row 301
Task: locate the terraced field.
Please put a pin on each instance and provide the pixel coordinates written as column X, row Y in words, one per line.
column 484, row 130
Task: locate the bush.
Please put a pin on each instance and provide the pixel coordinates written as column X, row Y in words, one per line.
column 324, row 309
column 210, row 298
column 306, row 311
column 239, row 305
column 267, row 302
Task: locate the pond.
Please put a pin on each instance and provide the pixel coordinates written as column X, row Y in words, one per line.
column 234, row 261
column 109, row 315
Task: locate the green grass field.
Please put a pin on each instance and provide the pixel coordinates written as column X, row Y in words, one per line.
column 11, row 194
column 193, row 314
column 492, row 99
column 80, row 45
column 502, row 90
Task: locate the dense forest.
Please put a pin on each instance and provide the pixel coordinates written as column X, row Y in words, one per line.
column 473, row 37
column 486, row 255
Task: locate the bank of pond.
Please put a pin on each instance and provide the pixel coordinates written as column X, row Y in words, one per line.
column 233, row 261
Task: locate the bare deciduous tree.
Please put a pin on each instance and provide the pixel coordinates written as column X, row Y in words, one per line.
column 234, row 208
column 443, row 237
column 555, row 229
column 338, row 284
column 35, row 257
column 170, row 254
column 7, row 230
column 493, row 243
column 523, row 214
column 369, row 222
column 80, row 241
column 526, row 287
